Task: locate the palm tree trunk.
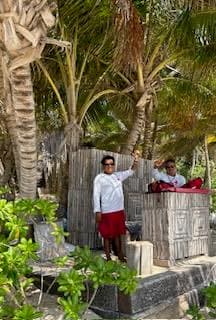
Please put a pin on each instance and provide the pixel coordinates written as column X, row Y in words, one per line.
column 138, row 123
column 193, row 162
column 8, row 164
column 12, row 130
column 73, row 134
column 135, row 131
column 148, row 131
column 154, row 136
column 1, row 79
column 20, row 120
column 8, row 111
column 208, row 169
column 23, row 102
column 23, row 30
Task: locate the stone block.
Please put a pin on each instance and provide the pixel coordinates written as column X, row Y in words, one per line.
column 106, row 301
column 48, row 246
column 140, row 256
column 177, row 224
column 163, row 295
column 146, row 261
column 133, row 253
column 161, row 288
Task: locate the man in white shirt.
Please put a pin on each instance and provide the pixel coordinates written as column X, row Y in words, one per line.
column 170, row 176
column 108, row 201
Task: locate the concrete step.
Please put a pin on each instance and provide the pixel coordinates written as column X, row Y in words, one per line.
column 162, row 295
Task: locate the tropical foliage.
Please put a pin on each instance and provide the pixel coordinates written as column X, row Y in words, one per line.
column 88, row 274
column 17, row 253
column 122, row 74
column 23, row 35
column 209, row 311
column 115, row 75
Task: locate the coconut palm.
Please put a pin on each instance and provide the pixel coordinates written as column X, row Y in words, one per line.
column 23, row 31
column 141, row 51
column 76, row 75
column 147, row 50
column 187, row 120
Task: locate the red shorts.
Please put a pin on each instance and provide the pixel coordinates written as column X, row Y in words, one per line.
column 112, row 224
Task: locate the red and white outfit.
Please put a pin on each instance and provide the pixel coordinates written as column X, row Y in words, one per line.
column 177, row 180
column 108, row 199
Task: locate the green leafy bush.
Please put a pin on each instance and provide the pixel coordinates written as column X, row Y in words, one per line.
column 16, row 251
column 88, row 274
column 210, row 302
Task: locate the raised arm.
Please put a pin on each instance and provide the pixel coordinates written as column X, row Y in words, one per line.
column 122, row 175
column 136, row 156
column 156, row 173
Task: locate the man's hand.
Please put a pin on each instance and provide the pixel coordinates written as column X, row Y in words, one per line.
column 158, row 164
column 98, row 217
column 136, row 155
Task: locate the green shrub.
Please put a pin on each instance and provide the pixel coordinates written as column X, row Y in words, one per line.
column 210, row 302
column 16, row 251
column 88, row 274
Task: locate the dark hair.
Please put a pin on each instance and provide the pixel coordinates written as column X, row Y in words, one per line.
column 169, row 160
column 107, row 158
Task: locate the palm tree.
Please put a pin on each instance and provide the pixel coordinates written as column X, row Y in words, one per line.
column 23, row 29
column 77, row 75
column 142, row 52
column 187, row 120
column 145, row 49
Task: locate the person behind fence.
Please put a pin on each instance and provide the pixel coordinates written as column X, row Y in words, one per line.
column 170, row 176
column 108, row 201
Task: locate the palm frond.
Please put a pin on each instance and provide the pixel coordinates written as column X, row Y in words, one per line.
column 177, row 147
column 92, row 19
column 196, row 32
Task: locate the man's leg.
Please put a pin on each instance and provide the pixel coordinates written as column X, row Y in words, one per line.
column 107, row 248
column 113, row 247
column 119, row 252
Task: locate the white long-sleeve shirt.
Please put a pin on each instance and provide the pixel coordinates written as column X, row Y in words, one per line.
column 176, row 181
column 108, row 192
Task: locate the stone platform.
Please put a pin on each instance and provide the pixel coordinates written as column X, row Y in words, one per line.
column 162, row 295
column 177, row 224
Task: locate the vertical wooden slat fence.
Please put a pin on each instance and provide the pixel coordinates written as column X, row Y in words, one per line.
column 84, row 167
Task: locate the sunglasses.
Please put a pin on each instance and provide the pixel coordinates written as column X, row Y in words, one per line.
column 109, row 164
column 170, row 167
